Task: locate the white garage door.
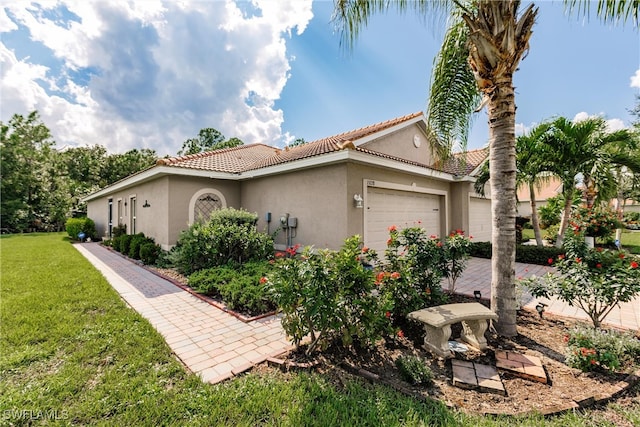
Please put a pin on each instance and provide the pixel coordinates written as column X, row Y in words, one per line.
column 402, row 209
column 480, row 219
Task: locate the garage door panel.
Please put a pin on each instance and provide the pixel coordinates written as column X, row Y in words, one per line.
column 480, row 219
column 400, row 208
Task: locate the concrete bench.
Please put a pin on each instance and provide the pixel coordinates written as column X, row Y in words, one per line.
column 437, row 323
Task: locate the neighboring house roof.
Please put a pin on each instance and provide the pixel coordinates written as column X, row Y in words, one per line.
column 545, row 189
column 264, row 159
column 464, row 163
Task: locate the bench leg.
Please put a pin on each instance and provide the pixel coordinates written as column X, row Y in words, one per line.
column 436, row 340
column 473, row 333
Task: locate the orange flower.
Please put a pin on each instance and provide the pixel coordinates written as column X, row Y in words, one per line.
column 550, row 261
column 634, row 264
column 395, row 275
column 263, row 280
column 400, row 333
column 389, row 242
column 621, row 256
column 365, row 249
column 380, row 277
column 561, row 256
column 598, row 265
column 387, row 314
column 578, row 260
column 393, row 228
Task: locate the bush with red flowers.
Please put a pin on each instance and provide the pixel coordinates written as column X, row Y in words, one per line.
column 592, row 279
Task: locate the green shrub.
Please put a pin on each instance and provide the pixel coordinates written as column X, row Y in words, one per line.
column 593, row 279
column 329, row 296
column 597, row 222
column 149, row 252
column 524, row 253
column 125, row 243
column 240, row 287
column 233, row 216
column 592, row 349
column 414, row 370
column 220, row 241
column 75, row 226
column 549, row 214
column 631, row 217
column 413, row 270
column 537, row 254
column 481, row 250
column 119, row 230
column 134, row 245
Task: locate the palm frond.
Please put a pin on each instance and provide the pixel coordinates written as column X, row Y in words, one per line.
column 454, row 93
column 351, row 16
column 610, row 11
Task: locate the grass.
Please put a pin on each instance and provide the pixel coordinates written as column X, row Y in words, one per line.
column 72, row 353
column 630, row 240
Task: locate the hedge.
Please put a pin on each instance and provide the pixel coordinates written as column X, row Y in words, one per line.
column 524, row 253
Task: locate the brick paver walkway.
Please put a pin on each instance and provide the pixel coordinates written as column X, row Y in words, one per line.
column 210, row 342
column 477, row 277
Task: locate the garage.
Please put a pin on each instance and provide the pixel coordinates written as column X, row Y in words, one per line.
column 480, row 219
column 386, row 207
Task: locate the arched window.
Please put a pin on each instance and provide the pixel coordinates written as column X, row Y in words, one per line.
column 203, row 203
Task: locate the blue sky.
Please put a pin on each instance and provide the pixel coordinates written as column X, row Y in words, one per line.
column 152, row 74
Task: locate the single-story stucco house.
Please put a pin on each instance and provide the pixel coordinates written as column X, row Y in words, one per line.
column 319, row 193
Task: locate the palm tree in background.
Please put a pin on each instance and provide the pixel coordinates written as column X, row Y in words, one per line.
column 482, row 48
column 586, row 150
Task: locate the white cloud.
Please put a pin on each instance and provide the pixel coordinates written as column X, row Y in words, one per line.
column 615, row 124
column 612, row 124
column 635, row 79
column 151, row 74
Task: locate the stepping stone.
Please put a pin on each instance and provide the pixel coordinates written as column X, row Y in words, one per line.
column 474, row 376
column 523, row 366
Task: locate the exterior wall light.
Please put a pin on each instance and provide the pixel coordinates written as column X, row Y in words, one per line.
column 146, row 204
column 357, row 201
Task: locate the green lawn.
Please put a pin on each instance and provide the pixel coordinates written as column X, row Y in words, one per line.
column 630, row 239
column 72, row 353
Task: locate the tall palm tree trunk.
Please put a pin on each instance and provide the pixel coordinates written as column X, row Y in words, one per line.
column 502, row 163
column 535, row 222
column 566, row 217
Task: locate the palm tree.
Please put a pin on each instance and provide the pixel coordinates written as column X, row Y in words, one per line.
column 530, row 171
column 531, row 167
column 585, row 149
column 483, row 46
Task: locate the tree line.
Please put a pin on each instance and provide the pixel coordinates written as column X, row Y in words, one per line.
column 42, row 185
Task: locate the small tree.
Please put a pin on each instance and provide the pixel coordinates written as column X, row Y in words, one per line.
column 457, row 248
column 594, row 280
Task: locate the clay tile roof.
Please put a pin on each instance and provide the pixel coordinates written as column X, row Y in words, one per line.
column 333, row 143
column 256, row 156
column 232, row 160
column 463, row 163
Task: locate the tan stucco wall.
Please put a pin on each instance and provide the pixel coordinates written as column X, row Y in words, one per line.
column 152, row 221
column 317, row 197
column 400, row 144
column 181, row 189
column 459, row 213
column 168, row 213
